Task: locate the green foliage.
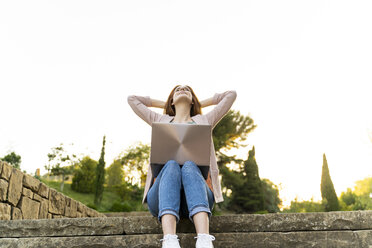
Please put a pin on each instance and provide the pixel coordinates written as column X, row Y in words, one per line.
column 271, row 196
column 85, row 176
column 247, row 190
column 360, row 198
column 100, row 175
column 232, row 130
column 13, row 159
column 135, row 162
column 304, row 207
column 61, row 163
column 329, row 196
column 115, row 174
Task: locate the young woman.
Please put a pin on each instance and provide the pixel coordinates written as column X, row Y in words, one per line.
column 181, row 190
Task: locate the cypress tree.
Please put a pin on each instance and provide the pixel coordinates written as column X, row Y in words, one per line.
column 100, row 175
column 253, row 186
column 247, row 191
column 329, row 196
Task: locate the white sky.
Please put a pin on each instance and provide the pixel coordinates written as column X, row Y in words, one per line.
column 302, row 71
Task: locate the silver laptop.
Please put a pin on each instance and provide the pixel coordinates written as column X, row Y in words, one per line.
column 180, row 142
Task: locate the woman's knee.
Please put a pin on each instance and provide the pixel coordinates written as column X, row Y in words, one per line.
column 173, row 167
column 190, row 168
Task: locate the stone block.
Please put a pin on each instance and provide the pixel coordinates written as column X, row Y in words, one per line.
column 30, row 208
column 15, row 186
column 78, row 215
column 5, row 211
column 57, row 202
column 3, row 189
column 27, row 192
column 1, row 166
column 16, row 214
column 50, row 216
column 37, row 197
column 43, row 190
column 365, row 219
column 6, row 171
column 44, row 207
column 56, row 216
column 31, row 183
column 71, row 208
column 82, row 209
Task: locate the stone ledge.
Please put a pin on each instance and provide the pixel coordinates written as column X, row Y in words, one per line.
column 321, row 239
column 333, row 221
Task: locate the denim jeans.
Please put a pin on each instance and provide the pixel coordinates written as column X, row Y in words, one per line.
column 180, row 191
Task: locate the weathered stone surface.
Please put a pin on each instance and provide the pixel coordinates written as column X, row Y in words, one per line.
column 44, row 207
column 29, row 208
column 1, row 166
column 365, row 219
column 4, row 212
column 38, row 198
column 50, row 216
column 82, row 209
column 56, row 216
column 16, row 214
column 43, row 190
column 71, row 208
column 62, row 227
column 3, row 189
column 27, row 192
column 15, row 186
column 57, row 202
column 6, row 171
column 31, row 183
column 317, row 239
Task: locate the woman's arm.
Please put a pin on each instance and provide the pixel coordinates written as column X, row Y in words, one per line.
column 224, row 102
column 157, row 103
column 140, row 106
column 206, row 102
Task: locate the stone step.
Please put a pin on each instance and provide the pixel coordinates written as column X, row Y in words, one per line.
column 315, row 239
column 332, row 221
column 333, row 229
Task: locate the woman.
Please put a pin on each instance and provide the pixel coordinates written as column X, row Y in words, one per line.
column 181, row 190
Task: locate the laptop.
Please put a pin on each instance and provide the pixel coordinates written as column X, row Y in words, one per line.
column 180, row 142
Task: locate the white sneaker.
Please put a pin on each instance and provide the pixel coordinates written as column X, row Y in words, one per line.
column 170, row 241
column 204, row 240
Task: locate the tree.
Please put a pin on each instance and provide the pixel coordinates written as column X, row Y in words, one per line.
column 115, row 174
column 100, row 175
column 13, row 159
column 135, row 162
column 247, row 190
column 271, row 196
column 360, row 198
column 61, row 163
column 329, row 196
column 304, row 206
column 85, row 176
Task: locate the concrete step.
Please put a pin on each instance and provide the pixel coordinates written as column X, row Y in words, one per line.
column 334, row 229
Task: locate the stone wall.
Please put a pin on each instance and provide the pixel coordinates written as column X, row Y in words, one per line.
column 25, row 197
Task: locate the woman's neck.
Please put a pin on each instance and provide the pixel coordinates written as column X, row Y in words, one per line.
column 182, row 113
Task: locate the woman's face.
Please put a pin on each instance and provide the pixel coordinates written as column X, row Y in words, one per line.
column 182, row 93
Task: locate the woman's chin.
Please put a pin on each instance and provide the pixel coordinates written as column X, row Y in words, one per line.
column 183, row 99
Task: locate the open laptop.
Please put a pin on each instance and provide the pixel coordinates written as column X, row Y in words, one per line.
column 180, row 142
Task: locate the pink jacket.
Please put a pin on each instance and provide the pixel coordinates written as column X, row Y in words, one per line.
column 224, row 101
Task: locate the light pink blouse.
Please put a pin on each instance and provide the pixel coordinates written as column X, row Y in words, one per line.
column 224, row 101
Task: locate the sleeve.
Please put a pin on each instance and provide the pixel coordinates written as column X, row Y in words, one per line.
column 140, row 106
column 224, row 101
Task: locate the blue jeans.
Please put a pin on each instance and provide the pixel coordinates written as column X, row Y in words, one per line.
column 180, row 192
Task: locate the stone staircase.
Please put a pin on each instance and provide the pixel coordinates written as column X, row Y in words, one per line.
column 334, row 229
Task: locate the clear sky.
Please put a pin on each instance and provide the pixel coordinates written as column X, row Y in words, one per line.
column 302, row 71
